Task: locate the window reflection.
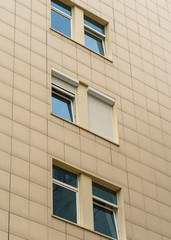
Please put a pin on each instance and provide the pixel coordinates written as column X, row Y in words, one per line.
column 62, row 107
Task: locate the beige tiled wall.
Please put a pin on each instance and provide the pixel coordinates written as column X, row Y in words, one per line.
column 139, row 78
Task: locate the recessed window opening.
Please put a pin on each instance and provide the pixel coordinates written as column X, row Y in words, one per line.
column 94, row 33
column 105, row 211
column 65, row 194
column 100, row 109
column 62, row 103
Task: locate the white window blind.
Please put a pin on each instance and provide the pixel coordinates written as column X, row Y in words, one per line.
column 64, row 81
column 100, row 114
column 63, row 85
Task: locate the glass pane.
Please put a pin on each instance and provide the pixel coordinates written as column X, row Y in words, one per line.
column 64, row 203
column 61, row 107
column 104, row 193
column 93, row 24
column 61, row 6
column 64, row 176
column 60, row 23
column 94, row 43
column 104, row 221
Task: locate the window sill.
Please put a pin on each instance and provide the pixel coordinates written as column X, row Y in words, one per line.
column 84, row 228
column 89, row 49
column 85, row 129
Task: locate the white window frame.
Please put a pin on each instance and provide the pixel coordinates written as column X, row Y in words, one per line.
column 98, row 35
column 112, row 207
column 71, row 188
column 66, row 95
column 65, row 15
column 61, row 80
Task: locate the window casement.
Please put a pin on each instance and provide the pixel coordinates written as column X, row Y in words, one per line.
column 62, row 103
column 105, row 210
column 94, row 35
column 63, row 91
column 100, row 114
column 65, row 194
column 61, row 17
column 86, row 201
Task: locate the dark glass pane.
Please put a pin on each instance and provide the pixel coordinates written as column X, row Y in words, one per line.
column 93, row 24
column 104, row 193
column 60, row 23
column 61, row 6
column 94, row 43
column 61, row 107
column 104, row 221
column 64, row 176
column 64, row 203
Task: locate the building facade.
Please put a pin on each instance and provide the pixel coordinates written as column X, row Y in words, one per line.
column 85, row 119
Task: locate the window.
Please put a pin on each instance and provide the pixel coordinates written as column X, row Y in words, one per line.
column 63, row 95
column 91, row 205
column 72, row 21
column 105, row 210
column 62, row 103
column 61, row 17
column 94, row 34
column 65, row 189
column 100, row 110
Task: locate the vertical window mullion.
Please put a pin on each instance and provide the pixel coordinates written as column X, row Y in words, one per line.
column 116, row 221
column 71, row 23
column 77, row 207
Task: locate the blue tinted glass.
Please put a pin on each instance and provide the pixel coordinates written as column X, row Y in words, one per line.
column 64, row 176
column 93, row 24
column 94, row 43
column 104, row 193
column 64, row 203
column 61, row 6
column 104, row 221
column 61, row 107
column 60, row 23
